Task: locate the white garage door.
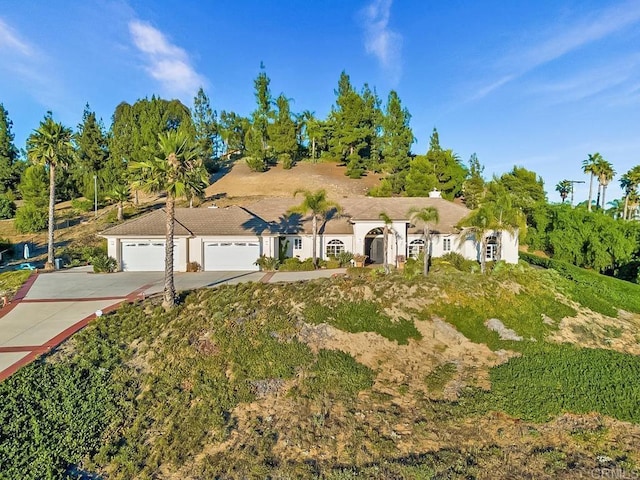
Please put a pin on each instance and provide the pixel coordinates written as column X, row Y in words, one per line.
column 232, row 256
column 145, row 256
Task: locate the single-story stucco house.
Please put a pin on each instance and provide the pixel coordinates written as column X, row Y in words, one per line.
column 233, row 238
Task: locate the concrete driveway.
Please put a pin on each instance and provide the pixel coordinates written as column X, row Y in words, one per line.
column 51, row 307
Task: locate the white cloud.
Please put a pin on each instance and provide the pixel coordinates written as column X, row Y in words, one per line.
column 167, row 63
column 380, row 41
column 565, row 39
column 9, row 39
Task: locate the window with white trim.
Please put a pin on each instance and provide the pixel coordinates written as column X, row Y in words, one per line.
column 416, row 247
column 446, row 244
column 297, row 243
column 492, row 249
column 334, row 247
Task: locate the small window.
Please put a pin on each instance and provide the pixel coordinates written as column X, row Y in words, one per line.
column 492, row 249
column 297, row 244
column 416, row 247
column 334, row 247
column 446, row 244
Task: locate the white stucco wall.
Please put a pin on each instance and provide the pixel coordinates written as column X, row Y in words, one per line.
column 510, row 245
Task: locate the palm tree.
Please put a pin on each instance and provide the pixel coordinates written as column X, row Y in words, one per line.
column 605, row 173
column 589, row 166
column 121, row 194
column 317, row 204
column 629, row 183
column 385, row 239
column 50, row 145
column 426, row 216
column 564, row 188
column 481, row 222
column 170, row 173
column 616, row 208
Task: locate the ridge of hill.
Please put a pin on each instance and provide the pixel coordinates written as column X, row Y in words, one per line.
column 456, row 375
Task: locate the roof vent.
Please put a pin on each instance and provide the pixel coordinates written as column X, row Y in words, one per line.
column 435, row 193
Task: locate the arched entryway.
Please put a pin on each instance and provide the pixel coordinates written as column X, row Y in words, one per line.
column 374, row 245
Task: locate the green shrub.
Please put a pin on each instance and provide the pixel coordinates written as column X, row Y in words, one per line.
column 295, row 265
column 591, row 289
column 344, row 258
column 363, row 316
column 286, row 160
column 255, row 164
column 103, row 264
column 82, row 205
column 337, row 374
column 31, row 219
column 459, row 262
column 414, row 266
column 562, row 378
column 7, row 207
column 267, row 264
column 332, row 263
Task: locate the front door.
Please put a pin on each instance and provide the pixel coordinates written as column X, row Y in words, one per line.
column 376, row 251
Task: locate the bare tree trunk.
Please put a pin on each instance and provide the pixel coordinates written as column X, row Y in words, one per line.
column 425, row 269
column 385, row 246
column 120, row 211
column 590, row 192
column 135, row 197
column 313, row 149
column 598, row 197
column 604, row 191
column 498, row 246
column 626, row 207
column 314, row 255
column 483, row 254
column 169, row 298
column 52, row 220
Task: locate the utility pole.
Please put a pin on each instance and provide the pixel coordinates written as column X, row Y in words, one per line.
column 572, row 182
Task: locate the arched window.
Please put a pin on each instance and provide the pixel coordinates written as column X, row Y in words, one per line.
column 415, row 248
column 492, row 248
column 334, row 247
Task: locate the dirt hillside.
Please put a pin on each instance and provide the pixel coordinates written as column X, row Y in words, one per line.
column 278, row 182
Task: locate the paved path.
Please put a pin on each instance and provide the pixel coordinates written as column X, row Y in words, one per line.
column 51, row 307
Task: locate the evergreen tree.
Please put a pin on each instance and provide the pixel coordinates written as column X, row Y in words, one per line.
column 205, row 123
column 524, row 186
column 283, row 134
column 34, row 186
column 257, row 139
column 91, row 155
column 473, row 186
column 233, row 130
column 134, row 133
column 350, row 128
column 396, row 139
column 372, row 129
column 10, row 166
column 440, row 169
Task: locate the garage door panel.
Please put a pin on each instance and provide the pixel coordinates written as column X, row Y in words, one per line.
column 145, row 256
column 232, row 256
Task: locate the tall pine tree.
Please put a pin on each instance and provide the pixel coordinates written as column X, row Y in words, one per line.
column 91, row 155
column 207, row 136
column 283, row 135
column 257, row 138
column 10, row 166
column 397, row 138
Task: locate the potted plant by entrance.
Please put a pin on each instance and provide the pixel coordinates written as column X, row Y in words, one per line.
column 359, row 259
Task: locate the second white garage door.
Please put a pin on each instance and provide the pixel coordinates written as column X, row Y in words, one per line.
column 232, row 256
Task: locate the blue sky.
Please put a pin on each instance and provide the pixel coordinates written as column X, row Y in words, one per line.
column 534, row 83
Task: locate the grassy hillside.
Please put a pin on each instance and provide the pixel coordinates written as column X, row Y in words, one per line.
column 357, row 377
